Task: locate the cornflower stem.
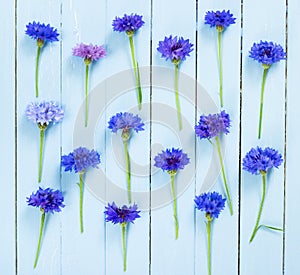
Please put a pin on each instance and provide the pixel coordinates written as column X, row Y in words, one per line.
column 86, row 95
column 124, row 225
column 81, row 201
column 38, row 54
column 224, row 175
column 208, row 229
column 177, row 96
column 266, row 69
column 174, row 205
column 40, row 238
column 128, row 174
column 136, row 72
column 264, row 186
column 42, row 139
column 220, row 67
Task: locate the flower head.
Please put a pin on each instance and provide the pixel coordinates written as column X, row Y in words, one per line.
column 126, row 122
column 267, row 53
column 175, row 49
column 219, row 19
column 42, row 32
column 47, row 200
column 259, row 160
column 80, row 159
column 211, row 203
column 89, row 52
column 128, row 23
column 212, row 125
column 44, row 113
column 122, row 214
column 171, row 160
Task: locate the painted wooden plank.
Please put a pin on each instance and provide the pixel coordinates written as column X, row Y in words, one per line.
column 258, row 25
column 28, row 141
column 168, row 255
column 224, row 242
column 292, row 225
column 7, row 146
column 121, row 97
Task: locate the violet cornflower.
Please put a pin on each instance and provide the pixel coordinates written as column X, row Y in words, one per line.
column 171, row 161
column 42, row 33
column 266, row 53
column 219, row 20
column 213, row 126
column 175, row 49
column 89, row 53
column 212, row 204
column 123, row 216
column 48, row 201
column 80, row 160
column 130, row 24
column 126, row 122
column 260, row 161
column 44, row 114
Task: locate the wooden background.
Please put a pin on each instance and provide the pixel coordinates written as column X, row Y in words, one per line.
column 151, row 245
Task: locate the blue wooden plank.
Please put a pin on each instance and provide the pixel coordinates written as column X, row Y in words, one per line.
column 258, row 25
column 7, row 146
column 292, row 225
column 224, row 249
column 28, row 141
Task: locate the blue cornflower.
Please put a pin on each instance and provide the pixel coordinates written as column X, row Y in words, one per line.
column 259, row 160
column 42, row 32
column 122, row 214
column 175, row 49
column 213, row 125
column 171, row 160
column 128, row 23
column 44, row 113
column 219, row 19
column 212, row 203
column 267, row 53
column 80, row 160
column 49, row 201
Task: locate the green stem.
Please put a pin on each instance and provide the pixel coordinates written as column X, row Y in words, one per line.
column 128, row 174
column 42, row 138
column 81, row 201
column 174, row 205
column 37, row 71
column 177, row 96
column 124, row 245
column 208, row 228
column 262, row 100
column 220, row 66
column 40, row 238
column 260, row 208
column 136, row 72
column 224, row 175
column 86, row 95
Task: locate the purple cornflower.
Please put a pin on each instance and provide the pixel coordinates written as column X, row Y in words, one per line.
column 44, row 113
column 89, row 52
column 80, row 160
column 219, row 19
column 175, row 49
column 47, row 200
column 212, row 203
column 41, row 32
column 213, row 125
column 171, row 160
column 267, row 53
column 128, row 23
column 259, row 161
column 122, row 214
